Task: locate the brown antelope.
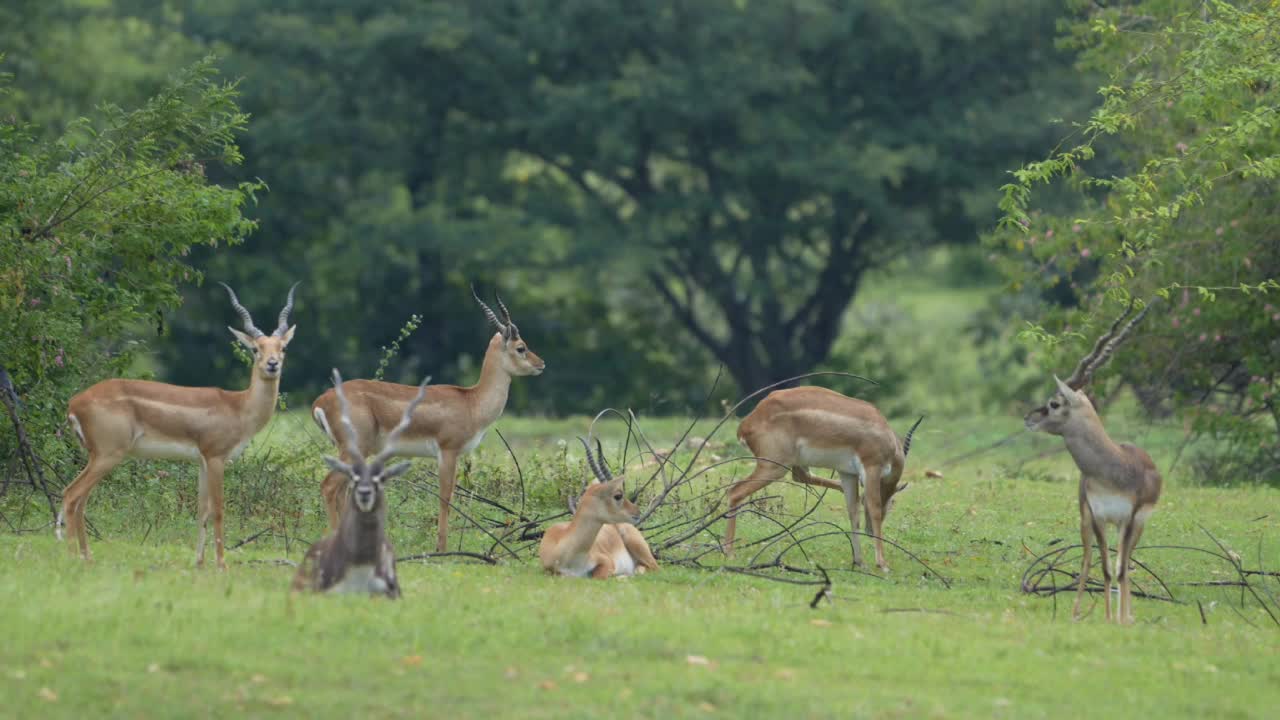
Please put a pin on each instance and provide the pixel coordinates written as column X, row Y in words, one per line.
column 804, row 427
column 600, row 541
column 116, row 419
column 451, row 425
column 357, row 557
column 1119, row 483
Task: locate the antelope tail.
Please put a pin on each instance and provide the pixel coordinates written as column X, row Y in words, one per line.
column 906, row 442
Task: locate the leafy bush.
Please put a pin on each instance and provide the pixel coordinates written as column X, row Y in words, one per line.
column 1176, row 171
column 94, row 232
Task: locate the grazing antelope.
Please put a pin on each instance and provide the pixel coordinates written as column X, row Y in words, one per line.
column 116, row 419
column 804, row 427
column 600, row 542
column 451, row 425
column 1119, row 483
column 357, row 557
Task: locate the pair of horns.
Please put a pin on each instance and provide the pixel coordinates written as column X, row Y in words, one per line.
column 349, row 429
column 1106, row 346
column 281, row 325
column 504, row 325
column 597, row 464
column 598, row 468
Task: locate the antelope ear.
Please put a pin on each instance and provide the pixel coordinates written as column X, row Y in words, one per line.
column 396, row 470
column 288, row 335
column 244, row 339
column 1067, row 393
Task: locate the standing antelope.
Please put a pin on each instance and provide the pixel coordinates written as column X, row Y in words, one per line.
column 600, row 542
column 1119, row 483
column 812, row 426
column 116, row 419
column 357, row 557
column 451, row 425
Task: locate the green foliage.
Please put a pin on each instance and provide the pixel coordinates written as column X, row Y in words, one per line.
column 96, row 229
column 68, row 56
column 656, row 188
column 389, row 353
column 1177, row 170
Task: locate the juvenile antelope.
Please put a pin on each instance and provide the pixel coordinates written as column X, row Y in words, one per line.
column 600, row 541
column 451, row 425
column 116, row 419
column 1119, row 483
column 804, row 427
column 357, row 557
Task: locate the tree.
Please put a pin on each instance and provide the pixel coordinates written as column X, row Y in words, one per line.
column 756, row 159
column 95, row 230
column 1177, row 171
column 735, row 166
column 67, row 56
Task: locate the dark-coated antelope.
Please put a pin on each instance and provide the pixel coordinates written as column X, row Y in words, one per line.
column 357, row 557
column 116, row 419
column 804, row 427
column 1119, row 483
column 451, row 425
column 600, row 541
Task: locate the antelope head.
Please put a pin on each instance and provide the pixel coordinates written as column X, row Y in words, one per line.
column 267, row 350
column 605, row 497
column 368, row 475
column 517, row 357
column 1069, row 406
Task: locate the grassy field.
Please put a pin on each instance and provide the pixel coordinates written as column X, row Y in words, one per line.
column 142, row 633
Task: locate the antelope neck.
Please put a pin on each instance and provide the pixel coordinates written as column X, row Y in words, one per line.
column 360, row 533
column 1093, row 450
column 492, row 388
column 261, row 402
column 581, row 536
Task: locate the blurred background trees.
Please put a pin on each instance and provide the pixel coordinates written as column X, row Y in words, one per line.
column 658, row 189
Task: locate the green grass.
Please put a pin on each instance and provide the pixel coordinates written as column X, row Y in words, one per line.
column 141, row 633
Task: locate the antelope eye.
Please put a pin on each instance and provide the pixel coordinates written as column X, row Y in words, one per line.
column 520, row 349
column 1055, row 404
column 618, row 497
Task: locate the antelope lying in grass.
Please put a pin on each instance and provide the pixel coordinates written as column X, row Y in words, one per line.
column 600, row 542
column 357, row 556
column 1119, row 483
column 797, row 428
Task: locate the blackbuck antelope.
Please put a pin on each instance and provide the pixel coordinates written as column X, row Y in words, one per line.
column 356, row 557
column 451, row 424
column 804, row 427
column 1119, row 483
column 600, row 541
column 116, row 419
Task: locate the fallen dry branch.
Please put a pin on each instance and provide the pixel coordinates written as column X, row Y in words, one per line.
column 487, row 559
column 1055, row 571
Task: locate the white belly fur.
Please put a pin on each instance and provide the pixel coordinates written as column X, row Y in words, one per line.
column 429, row 447
column 623, row 563
column 159, row 448
column 360, row 579
column 581, row 568
column 1111, row 509
column 473, row 442
column 840, row 459
column 418, row 448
